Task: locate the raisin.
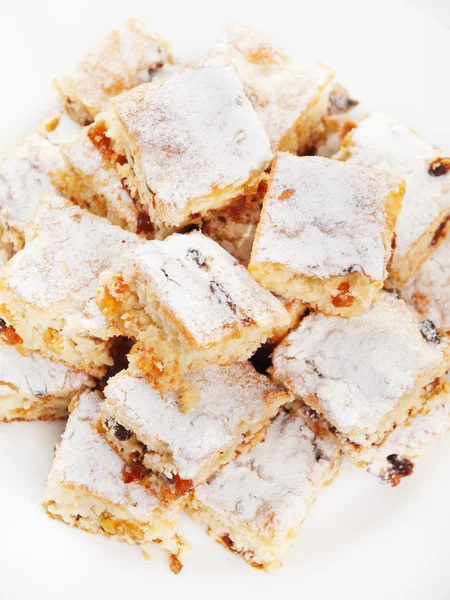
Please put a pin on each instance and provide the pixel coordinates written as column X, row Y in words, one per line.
column 144, row 225
column 343, row 299
column 340, row 103
column 439, row 167
column 394, row 292
column 222, row 294
column 313, row 366
column 121, row 433
column 153, row 70
column 133, row 473
column 228, row 542
column 439, row 231
column 429, row 332
column 178, row 487
column 9, row 334
column 399, row 467
column 197, row 257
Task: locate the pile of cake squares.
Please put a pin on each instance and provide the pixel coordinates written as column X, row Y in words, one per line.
column 228, row 277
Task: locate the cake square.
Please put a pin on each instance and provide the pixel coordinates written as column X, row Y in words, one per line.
column 25, row 175
column 187, row 144
column 382, row 143
column 87, row 488
column 326, row 232
column 123, row 59
column 47, row 290
column 290, row 99
column 428, row 290
column 187, row 303
column 363, row 375
column 33, row 387
column 170, row 451
column 92, row 179
column 255, row 505
column 394, row 458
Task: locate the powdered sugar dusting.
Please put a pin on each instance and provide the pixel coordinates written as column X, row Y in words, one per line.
column 123, row 59
column 67, row 248
column 279, row 89
column 193, row 134
column 270, row 488
column 384, row 144
column 84, row 459
column 229, row 397
column 429, row 289
column 60, row 129
column 24, row 178
column 322, row 217
column 36, row 376
column 203, row 287
column 358, row 368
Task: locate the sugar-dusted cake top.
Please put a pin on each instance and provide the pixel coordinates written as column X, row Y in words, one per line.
column 429, row 289
column 102, row 177
column 37, row 376
column 193, row 134
column 359, row 368
column 270, row 489
column 207, row 292
column 124, row 58
column 229, row 397
column 279, row 89
column 24, row 178
column 382, row 143
column 84, row 459
column 322, row 217
column 57, row 272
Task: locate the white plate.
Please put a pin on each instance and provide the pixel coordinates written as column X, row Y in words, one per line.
column 364, row 539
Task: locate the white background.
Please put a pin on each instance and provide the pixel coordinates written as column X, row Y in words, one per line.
column 364, row 540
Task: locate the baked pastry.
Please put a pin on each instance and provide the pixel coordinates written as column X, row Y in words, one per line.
column 364, row 375
column 343, row 115
column 88, row 488
column 188, row 144
column 290, row 99
column 255, row 505
column 429, row 289
column 25, row 175
column 123, row 59
column 382, row 143
column 169, row 451
column 188, row 303
column 90, row 178
column 33, row 387
column 394, row 458
column 47, row 290
column 326, row 232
